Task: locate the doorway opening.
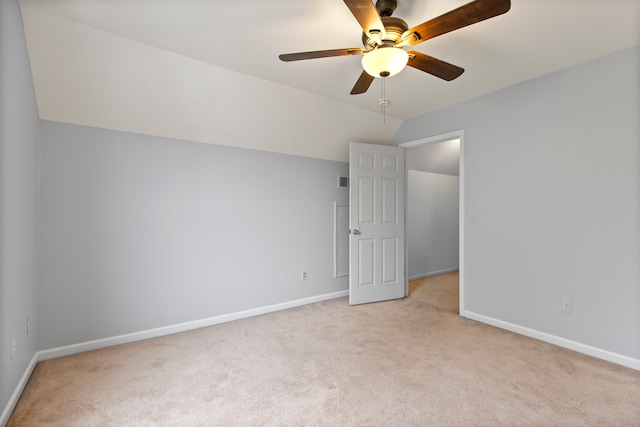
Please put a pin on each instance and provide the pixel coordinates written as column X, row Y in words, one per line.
column 435, row 208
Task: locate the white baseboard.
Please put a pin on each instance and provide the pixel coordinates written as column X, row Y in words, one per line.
column 13, row 400
column 151, row 333
column 187, row 326
column 599, row 353
column 182, row 327
column 434, row 273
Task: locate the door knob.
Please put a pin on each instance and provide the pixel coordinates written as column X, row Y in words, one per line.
column 355, row 231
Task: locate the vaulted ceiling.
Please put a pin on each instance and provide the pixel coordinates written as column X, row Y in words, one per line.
column 208, row 70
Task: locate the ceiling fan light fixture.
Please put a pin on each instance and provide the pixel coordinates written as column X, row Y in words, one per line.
column 385, row 61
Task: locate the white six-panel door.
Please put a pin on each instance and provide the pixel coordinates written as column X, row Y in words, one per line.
column 376, row 211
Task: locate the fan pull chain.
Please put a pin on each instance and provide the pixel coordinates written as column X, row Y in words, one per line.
column 383, row 100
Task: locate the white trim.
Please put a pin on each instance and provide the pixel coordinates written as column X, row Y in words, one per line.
column 461, row 219
column 599, row 353
column 459, row 134
column 336, row 239
column 151, row 333
column 434, row 273
column 406, row 240
column 13, row 400
column 182, row 327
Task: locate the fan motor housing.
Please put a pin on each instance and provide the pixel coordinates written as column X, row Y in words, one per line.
column 394, row 27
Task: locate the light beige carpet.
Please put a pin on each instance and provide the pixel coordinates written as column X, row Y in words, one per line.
column 409, row 362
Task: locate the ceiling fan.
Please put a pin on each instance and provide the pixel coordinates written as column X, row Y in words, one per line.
column 384, row 38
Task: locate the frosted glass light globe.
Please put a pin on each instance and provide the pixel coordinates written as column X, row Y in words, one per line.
column 385, row 61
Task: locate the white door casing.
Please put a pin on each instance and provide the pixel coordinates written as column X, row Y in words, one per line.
column 376, row 222
column 440, row 138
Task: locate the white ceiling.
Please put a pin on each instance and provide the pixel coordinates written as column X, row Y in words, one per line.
column 200, row 38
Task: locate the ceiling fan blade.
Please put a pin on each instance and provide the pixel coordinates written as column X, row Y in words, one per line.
column 363, row 83
column 320, row 54
column 367, row 16
column 470, row 13
column 434, row 66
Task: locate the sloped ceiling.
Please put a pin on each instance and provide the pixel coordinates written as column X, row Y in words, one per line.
column 208, row 70
column 442, row 158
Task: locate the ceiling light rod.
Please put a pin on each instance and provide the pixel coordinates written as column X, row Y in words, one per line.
column 386, row 7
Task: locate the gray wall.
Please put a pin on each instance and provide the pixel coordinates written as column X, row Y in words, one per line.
column 432, row 223
column 140, row 232
column 552, row 171
column 18, row 201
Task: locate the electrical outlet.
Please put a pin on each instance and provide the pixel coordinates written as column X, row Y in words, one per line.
column 567, row 305
column 425, row 256
column 303, row 275
column 13, row 347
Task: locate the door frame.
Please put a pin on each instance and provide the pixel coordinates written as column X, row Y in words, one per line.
column 461, row 215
